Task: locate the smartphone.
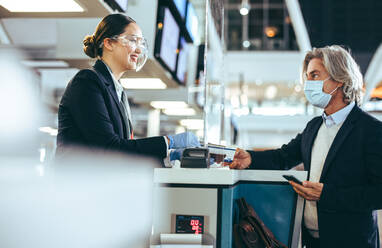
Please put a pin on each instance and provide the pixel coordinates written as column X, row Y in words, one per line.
column 292, row 178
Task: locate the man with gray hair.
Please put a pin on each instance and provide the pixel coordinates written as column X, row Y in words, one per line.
column 342, row 152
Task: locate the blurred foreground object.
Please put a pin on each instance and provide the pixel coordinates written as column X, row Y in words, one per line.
column 89, row 201
column 20, row 108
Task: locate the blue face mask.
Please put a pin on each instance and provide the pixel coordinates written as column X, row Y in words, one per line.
column 315, row 95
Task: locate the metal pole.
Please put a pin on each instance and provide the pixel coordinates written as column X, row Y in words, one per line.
column 205, row 108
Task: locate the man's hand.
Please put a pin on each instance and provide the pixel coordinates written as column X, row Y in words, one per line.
column 241, row 160
column 309, row 190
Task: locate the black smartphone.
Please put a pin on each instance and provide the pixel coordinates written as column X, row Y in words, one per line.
column 292, row 178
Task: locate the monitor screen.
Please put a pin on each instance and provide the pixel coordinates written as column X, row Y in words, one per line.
column 192, row 21
column 122, row 4
column 119, row 5
column 169, row 41
column 181, row 71
column 199, row 80
column 181, row 6
column 189, row 224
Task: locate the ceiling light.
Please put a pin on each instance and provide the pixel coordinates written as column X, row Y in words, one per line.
column 168, row 104
column 49, row 130
column 192, row 124
column 45, row 129
column 180, row 111
column 41, row 6
column 297, row 88
column 271, row 92
column 246, row 43
column 244, row 11
column 235, row 102
column 42, row 154
column 271, row 31
column 44, row 63
column 244, row 7
column 143, row 83
column 244, row 99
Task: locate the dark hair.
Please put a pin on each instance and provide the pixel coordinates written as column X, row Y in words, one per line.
column 111, row 25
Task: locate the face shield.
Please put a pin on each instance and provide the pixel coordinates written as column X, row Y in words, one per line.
column 138, row 44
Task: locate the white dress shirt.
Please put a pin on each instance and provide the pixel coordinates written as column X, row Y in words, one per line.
column 339, row 116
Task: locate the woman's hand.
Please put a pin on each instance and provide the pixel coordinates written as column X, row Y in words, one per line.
column 183, row 140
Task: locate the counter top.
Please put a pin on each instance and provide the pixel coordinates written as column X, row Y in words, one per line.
column 221, row 176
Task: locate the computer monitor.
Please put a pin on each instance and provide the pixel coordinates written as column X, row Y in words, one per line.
column 166, row 43
column 181, row 5
column 192, row 22
column 119, row 5
column 182, row 64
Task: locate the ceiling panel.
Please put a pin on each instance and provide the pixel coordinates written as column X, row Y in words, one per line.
column 31, row 32
column 93, row 8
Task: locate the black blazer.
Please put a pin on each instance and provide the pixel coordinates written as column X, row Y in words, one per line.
column 90, row 115
column 352, row 178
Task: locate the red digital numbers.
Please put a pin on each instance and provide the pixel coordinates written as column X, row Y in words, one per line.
column 195, row 226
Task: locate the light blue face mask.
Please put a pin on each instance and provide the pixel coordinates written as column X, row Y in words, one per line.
column 315, row 95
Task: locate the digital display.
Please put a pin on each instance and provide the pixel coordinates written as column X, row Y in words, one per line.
column 181, row 6
column 200, row 82
column 122, row 4
column 192, row 21
column 189, row 224
column 181, row 71
column 169, row 42
column 119, row 5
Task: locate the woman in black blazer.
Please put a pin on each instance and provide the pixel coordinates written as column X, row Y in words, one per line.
column 94, row 112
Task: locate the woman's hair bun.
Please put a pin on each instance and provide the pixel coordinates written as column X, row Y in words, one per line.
column 89, row 46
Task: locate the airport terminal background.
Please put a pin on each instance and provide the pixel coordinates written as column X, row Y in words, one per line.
column 227, row 70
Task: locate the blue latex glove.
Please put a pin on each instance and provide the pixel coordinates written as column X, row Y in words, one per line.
column 176, row 154
column 183, row 140
column 212, row 160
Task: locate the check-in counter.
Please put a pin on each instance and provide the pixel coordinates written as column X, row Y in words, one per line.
column 209, row 196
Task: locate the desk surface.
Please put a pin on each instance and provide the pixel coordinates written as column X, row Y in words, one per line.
column 215, row 176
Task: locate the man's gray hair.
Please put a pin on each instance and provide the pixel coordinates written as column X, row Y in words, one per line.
column 341, row 68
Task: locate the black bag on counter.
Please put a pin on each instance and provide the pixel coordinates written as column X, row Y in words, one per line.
column 251, row 232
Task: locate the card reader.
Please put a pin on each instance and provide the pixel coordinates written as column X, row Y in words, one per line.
column 195, row 158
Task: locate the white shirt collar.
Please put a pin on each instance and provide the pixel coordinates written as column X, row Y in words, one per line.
column 117, row 84
column 337, row 117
